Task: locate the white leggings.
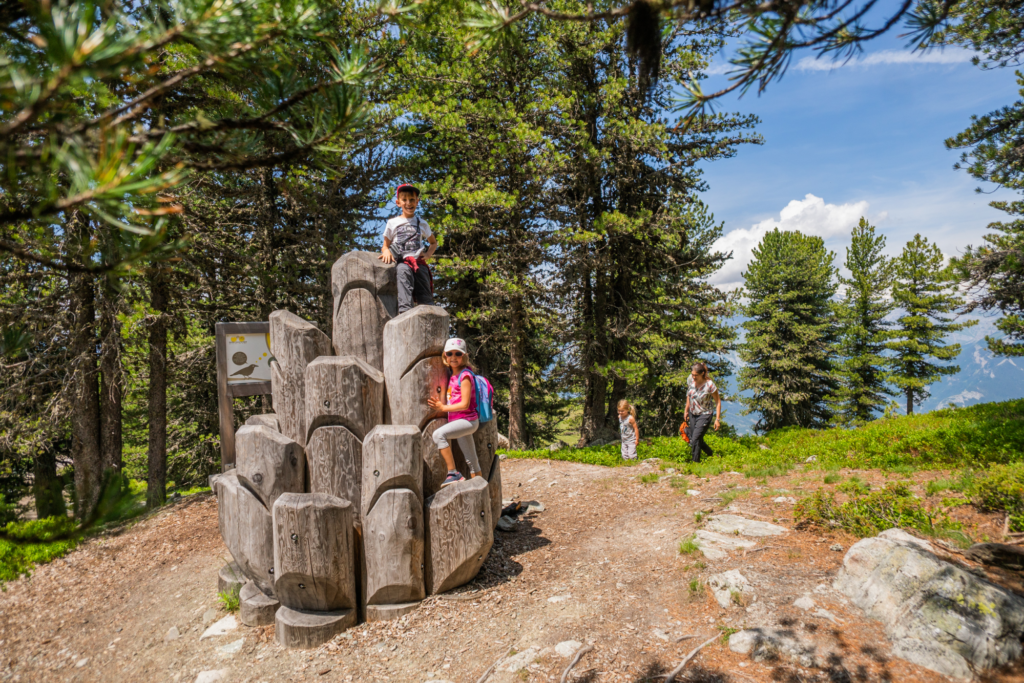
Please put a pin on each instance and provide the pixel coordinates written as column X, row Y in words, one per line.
column 462, row 431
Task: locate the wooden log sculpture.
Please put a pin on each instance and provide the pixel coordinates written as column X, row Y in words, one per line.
column 268, row 463
column 269, row 420
column 295, row 343
column 313, row 552
column 365, row 299
column 412, row 364
column 335, row 458
column 247, row 529
column 486, row 440
column 256, row 608
column 459, row 534
column 343, row 390
column 392, row 516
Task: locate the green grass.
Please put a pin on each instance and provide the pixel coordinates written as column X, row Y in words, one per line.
column 678, row 483
column 854, row 486
column 650, row 478
column 977, row 437
column 832, row 478
column 689, row 546
column 229, row 599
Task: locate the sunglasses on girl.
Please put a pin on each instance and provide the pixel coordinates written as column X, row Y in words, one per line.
column 453, row 353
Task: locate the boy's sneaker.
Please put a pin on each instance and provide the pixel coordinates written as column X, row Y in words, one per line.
column 452, row 478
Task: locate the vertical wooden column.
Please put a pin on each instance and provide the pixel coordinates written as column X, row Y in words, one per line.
column 413, row 369
column 295, row 344
column 459, row 534
column 365, row 299
column 392, row 520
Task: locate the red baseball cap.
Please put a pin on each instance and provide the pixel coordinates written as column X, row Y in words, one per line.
column 406, row 187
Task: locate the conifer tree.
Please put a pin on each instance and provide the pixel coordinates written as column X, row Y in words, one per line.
column 864, row 331
column 925, row 293
column 790, row 332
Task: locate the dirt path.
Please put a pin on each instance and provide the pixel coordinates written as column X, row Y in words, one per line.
column 600, row 565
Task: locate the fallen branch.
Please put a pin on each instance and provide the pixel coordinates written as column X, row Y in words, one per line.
column 575, row 660
column 676, row 671
column 491, row 668
column 682, row 638
column 757, row 550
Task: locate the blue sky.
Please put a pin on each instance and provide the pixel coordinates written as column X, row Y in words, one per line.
column 865, row 138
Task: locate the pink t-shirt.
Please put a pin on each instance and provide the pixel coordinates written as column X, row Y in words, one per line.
column 455, row 395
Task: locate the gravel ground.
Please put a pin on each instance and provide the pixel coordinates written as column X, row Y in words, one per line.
column 599, row 566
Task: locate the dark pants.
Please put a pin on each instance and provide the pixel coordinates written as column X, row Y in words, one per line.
column 697, row 426
column 413, row 286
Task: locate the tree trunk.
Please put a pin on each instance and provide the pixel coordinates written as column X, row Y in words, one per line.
column 516, row 411
column 47, row 488
column 111, row 440
column 85, row 410
column 618, row 393
column 910, row 401
column 157, row 477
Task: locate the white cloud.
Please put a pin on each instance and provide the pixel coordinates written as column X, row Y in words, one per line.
column 886, row 57
column 810, row 215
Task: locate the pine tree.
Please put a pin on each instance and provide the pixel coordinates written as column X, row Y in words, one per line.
column 925, row 292
column 790, row 332
column 864, row 331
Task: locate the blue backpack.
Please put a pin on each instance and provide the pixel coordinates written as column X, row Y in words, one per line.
column 484, row 393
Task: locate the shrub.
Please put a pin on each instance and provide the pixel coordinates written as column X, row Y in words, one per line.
column 854, row 487
column 649, row 478
column 48, row 529
column 678, row 482
column 17, row 559
column 892, row 507
column 832, row 478
column 1002, row 489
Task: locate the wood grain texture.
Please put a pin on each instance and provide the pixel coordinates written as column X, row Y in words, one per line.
column 254, row 607
column 304, row 630
column 393, row 548
column 343, row 390
column 255, row 540
column 359, row 327
column 295, row 343
column 413, row 343
column 363, row 270
column 485, row 438
column 268, row 420
column 459, row 534
column 335, row 458
column 226, row 488
column 434, row 468
column 230, row 578
column 314, row 552
column 494, row 489
column 269, row 463
column 391, row 460
column 387, row 612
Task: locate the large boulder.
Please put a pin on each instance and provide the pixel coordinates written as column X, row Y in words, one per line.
column 938, row 615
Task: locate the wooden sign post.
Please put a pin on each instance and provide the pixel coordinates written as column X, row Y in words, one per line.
column 243, row 369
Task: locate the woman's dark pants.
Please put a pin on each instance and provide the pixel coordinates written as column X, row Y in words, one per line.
column 698, row 424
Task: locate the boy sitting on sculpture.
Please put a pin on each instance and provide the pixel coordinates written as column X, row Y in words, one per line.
column 403, row 244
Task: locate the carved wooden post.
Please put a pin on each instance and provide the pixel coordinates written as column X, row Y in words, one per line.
column 412, row 364
column 256, row 608
column 343, row 391
column 269, row 420
column 434, row 468
column 365, row 299
column 335, row 459
column 486, row 440
column 247, row 530
column 314, row 553
column 295, row 343
column 226, row 488
column 269, row 463
column 392, row 521
column 459, row 534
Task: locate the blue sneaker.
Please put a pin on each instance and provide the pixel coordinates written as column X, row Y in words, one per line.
column 452, row 478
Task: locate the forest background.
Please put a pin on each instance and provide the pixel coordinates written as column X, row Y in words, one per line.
column 561, row 173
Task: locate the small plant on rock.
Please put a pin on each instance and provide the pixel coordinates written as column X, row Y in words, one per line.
column 688, row 546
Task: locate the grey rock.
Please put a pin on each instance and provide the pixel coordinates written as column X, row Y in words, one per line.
column 172, row 634
column 520, row 660
column 763, row 446
column 213, row 676
column 660, row 635
column 717, row 547
column 503, row 441
column 506, row 524
column 534, row 506
column 785, row 499
column 764, row 644
column 805, row 603
column 232, row 648
column 836, row 548
column 209, row 616
column 724, row 585
column 556, row 446
column 813, row 458
column 567, row 648
column 936, row 614
column 730, row 524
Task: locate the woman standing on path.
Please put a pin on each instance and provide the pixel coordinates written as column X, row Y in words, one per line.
column 697, row 414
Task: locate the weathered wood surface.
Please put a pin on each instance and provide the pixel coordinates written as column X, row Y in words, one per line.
column 363, row 270
column 343, row 390
column 393, row 548
column 359, row 327
column 485, row 438
column 226, row 488
column 254, row 607
column 295, row 343
column 391, row 460
column 298, row 629
column 230, row 578
column 494, row 489
column 269, row 463
column 412, row 363
column 314, row 552
column 335, row 458
column 998, row 555
column 387, row 612
column 268, row 420
column 459, row 534
column 434, row 468
column 255, row 540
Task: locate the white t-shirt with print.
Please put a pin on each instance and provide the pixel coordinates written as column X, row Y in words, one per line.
column 401, row 231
